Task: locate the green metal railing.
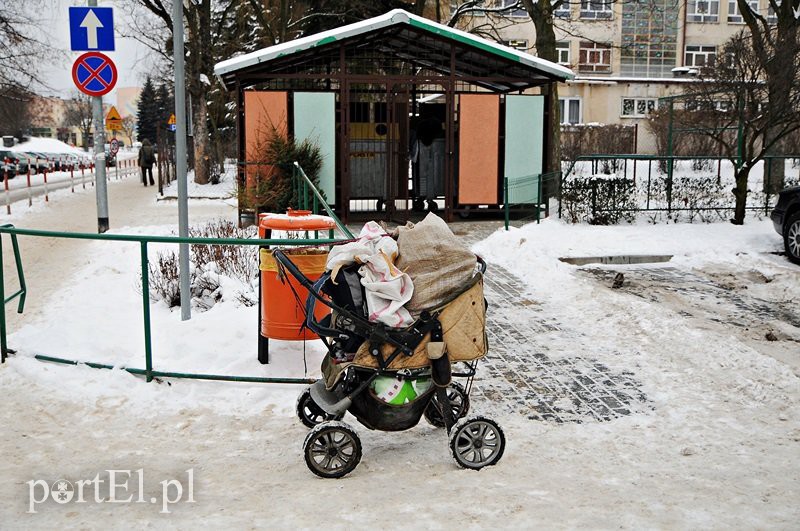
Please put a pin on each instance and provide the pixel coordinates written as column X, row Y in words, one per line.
column 669, row 179
column 527, row 190
column 22, row 292
column 149, row 371
column 305, row 188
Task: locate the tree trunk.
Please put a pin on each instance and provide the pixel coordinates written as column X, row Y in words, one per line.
column 200, row 136
column 774, row 171
column 541, row 14
column 776, row 48
column 740, row 193
column 199, row 70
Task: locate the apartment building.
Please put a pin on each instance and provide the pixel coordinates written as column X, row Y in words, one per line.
column 627, row 54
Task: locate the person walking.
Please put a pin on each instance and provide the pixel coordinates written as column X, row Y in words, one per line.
column 147, row 158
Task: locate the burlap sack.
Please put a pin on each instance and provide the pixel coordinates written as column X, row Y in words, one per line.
column 464, row 327
column 437, row 262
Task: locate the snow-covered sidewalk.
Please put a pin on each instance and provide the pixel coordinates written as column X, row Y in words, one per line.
column 709, row 436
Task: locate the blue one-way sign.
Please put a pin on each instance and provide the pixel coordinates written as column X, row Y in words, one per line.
column 91, row 29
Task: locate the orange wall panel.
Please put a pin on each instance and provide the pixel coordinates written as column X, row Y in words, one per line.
column 479, row 145
column 262, row 110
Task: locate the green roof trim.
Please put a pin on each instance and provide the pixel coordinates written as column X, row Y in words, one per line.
column 326, row 40
column 475, row 43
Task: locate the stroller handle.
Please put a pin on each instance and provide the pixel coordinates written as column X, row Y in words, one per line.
column 481, row 264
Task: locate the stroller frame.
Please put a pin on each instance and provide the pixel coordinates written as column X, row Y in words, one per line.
column 443, row 404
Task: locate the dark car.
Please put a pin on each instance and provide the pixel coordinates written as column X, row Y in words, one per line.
column 9, row 164
column 39, row 163
column 786, row 218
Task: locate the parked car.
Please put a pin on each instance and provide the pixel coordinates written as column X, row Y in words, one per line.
column 8, row 163
column 22, row 162
column 39, row 163
column 57, row 160
column 786, row 219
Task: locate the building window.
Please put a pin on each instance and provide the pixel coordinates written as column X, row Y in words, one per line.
column 570, row 110
column 734, row 15
column 702, row 10
column 649, row 38
column 709, row 105
column 562, row 52
column 512, row 12
column 517, row 44
column 772, row 18
column 596, row 9
column 700, row 55
column 594, row 57
column 638, row 107
column 563, row 10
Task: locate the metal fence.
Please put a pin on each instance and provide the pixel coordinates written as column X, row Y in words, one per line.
column 148, row 371
column 38, row 180
column 528, row 195
column 609, row 188
column 310, row 198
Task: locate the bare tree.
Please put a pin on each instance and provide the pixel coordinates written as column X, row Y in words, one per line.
column 15, row 115
column 744, row 110
column 776, row 46
column 79, row 114
column 20, row 50
column 129, row 127
column 202, row 19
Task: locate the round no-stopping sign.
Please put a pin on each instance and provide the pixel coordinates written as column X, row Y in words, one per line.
column 114, row 146
column 94, row 74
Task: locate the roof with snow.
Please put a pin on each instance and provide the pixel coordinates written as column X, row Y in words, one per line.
column 402, row 36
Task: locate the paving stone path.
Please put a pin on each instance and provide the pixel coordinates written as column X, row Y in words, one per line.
column 520, row 376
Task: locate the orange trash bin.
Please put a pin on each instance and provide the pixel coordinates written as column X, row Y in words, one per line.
column 281, row 313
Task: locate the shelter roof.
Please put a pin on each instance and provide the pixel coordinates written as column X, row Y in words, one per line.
column 395, row 34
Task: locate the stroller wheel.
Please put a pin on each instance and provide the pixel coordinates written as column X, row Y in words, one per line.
column 332, row 449
column 309, row 413
column 459, row 404
column 477, row 442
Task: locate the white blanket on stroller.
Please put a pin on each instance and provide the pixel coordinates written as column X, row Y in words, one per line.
column 387, row 288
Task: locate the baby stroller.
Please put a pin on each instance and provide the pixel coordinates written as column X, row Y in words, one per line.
column 388, row 378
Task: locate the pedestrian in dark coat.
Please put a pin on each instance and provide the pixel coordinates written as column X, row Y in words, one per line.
column 147, row 157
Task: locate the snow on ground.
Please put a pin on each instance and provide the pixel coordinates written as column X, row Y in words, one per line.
column 226, row 188
column 715, row 446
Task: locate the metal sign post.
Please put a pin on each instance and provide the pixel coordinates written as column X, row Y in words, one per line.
column 180, row 157
column 94, row 74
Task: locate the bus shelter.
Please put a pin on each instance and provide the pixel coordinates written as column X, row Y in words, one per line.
column 409, row 115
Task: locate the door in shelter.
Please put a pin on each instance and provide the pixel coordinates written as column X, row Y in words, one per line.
column 368, row 134
column 398, row 171
column 315, row 121
column 264, row 112
column 478, row 153
column 524, row 142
